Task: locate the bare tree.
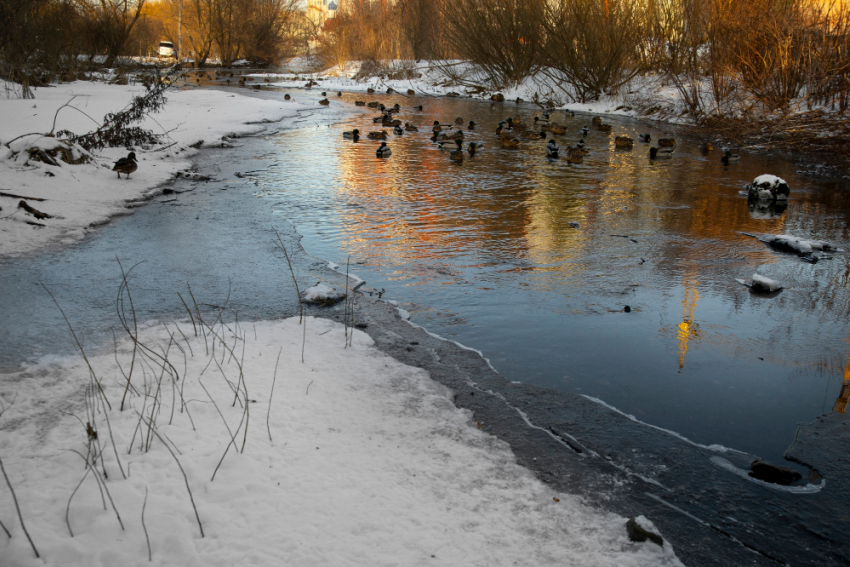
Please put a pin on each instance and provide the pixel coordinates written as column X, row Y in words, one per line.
column 112, row 22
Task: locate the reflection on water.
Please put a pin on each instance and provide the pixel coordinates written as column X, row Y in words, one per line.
column 533, row 261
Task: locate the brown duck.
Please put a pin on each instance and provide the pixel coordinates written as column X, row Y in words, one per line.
column 126, row 165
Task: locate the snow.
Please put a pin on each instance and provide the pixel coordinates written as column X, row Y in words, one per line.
column 765, row 283
column 799, row 245
column 81, row 196
column 321, row 293
column 768, row 180
column 364, row 461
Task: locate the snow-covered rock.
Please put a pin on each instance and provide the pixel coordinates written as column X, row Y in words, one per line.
column 322, row 294
column 761, row 284
column 768, row 188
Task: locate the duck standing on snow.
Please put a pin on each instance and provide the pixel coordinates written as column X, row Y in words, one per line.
column 383, row 151
column 353, row 135
column 126, row 165
column 552, row 149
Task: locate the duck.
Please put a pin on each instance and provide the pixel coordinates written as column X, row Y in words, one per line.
column 659, row 153
column 410, row 127
column 419, row 108
column 645, row 138
column 603, row 127
column 339, row 93
column 324, row 93
column 325, row 102
column 398, row 130
column 511, row 123
column 457, row 155
column 286, row 97
column 552, row 149
column 624, row 142
column 383, row 150
column 580, row 144
column 574, row 157
column 471, row 125
column 706, row 146
column 382, row 135
column 584, row 130
column 729, row 158
column 126, row 165
column 359, row 103
column 459, row 121
column 557, row 129
column 437, row 128
column 373, row 104
column 597, row 121
column 510, row 143
column 537, row 120
column 353, row 135
column 474, row 147
column 666, row 142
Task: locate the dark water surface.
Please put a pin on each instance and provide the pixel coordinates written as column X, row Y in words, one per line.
column 483, row 252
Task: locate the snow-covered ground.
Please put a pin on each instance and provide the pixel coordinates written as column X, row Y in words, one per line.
column 80, row 196
column 431, row 80
column 346, row 458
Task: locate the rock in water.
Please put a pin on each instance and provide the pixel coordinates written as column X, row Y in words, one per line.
column 768, row 188
column 641, row 529
column 761, row 284
column 768, row 472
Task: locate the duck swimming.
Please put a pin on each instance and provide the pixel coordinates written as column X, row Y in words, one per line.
column 398, row 130
column 410, row 127
column 660, row 153
column 126, row 165
column 474, row 147
column 383, row 150
column 584, row 130
column 552, row 149
column 666, row 142
column 624, row 142
column 645, row 138
column 471, row 125
column 729, row 158
column 353, row 135
column 457, row 155
column 382, row 135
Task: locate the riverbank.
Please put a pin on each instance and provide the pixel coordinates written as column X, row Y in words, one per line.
column 77, row 198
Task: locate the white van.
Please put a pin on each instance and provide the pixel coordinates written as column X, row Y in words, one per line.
column 166, row 49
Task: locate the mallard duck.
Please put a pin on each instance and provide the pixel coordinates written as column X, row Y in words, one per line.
column 532, row 135
column 126, row 165
column 286, row 97
column 510, row 143
column 552, row 149
column 474, row 147
column 729, row 158
column 706, row 146
column 584, row 130
column 324, row 93
column 538, row 120
column 557, row 129
column 324, row 102
column 603, row 127
column 383, row 150
column 660, row 153
column 410, row 127
column 437, row 128
column 575, row 157
column 370, row 90
column 339, row 93
column 515, row 124
column 353, row 135
column 471, row 125
column 457, row 155
column 359, row 103
column 398, row 130
column 580, row 144
column 373, row 104
column 419, row 108
column 382, row 135
column 597, row 121
column 624, row 142
column 411, row 92
column 459, row 121
column 645, row 138
column 666, row 142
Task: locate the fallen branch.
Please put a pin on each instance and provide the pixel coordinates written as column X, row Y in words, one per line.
column 34, row 212
column 14, row 196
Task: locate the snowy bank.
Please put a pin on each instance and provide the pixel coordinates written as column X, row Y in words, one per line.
column 78, row 197
column 346, row 458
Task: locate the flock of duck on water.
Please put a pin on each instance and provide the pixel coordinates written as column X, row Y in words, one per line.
column 510, row 133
